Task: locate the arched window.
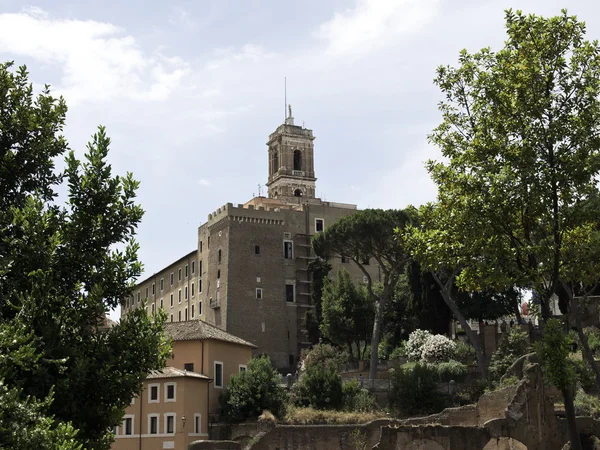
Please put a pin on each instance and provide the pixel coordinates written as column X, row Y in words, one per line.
column 297, row 193
column 297, row 160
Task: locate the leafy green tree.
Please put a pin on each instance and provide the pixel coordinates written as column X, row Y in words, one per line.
column 63, row 267
column 521, row 141
column 320, row 384
column 554, row 353
column 252, row 391
column 347, row 313
column 513, row 345
column 319, row 269
column 365, row 236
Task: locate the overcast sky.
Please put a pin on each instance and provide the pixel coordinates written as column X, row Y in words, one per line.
column 190, row 91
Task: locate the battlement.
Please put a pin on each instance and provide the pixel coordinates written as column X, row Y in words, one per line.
column 291, row 130
column 248, row 213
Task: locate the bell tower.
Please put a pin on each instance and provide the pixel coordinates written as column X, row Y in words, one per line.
column 291, row 162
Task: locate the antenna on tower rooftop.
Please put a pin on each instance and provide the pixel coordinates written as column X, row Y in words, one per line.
column 284, row 98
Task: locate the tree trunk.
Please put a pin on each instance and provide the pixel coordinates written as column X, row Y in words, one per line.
column 379, row 306
column 447, row 296
column 585, row 347
column 518, row 314
column 352, row 352
column 571, row 422
column 364, row 349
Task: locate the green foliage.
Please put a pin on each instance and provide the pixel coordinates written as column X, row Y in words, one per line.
column 62, row 268
column 451, row 370
column 593, row 337
column 323, row 354
column 319, row 270
column 463, row 351
column 414, row 390
column 26, row 425
column 320, row 387
column 311, row 325
column 356, row 398
column 554, row 353
column 348, row 312
column 400, row 351
column 369, row 235
column 252, row 391
column 586, row 377
column 587, row 405
column 513, row 345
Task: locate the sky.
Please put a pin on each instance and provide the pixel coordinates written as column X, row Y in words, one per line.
column 190, row 91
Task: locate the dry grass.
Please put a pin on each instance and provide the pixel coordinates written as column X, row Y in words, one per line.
column 310, row 416
column 267, row 416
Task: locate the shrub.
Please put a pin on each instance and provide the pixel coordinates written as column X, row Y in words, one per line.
column 415, row 343
column 438, row 348
column 587, row 405
column 251, row 392
column 585, row 375
column 320, row 387
column 356, row 398
column 451, row 370
column 399, row 351
column 463, row 351
column 322, row 354
column 593, row 337
column 512, row 346
column 414, row 390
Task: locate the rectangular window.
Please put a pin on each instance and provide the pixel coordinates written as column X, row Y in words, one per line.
column 128, row 426
column 192, row 289
column 154, row 393
column 179, row 296
column 171, row 278
column 208, row 242
column 242, row 367
column 199, row 285
column 139, row 297
column 259, row 293
column 200, row 246
column 171, row 300
column 162, row 284
column 189, row 367
column 153, row 308
column 219, row 254
column 200, row 269
column 319, row 225
column 179, row 316
column 192, row 310
column 186, row 293
column 289, row 293
column 257, row 249
column 161, row 304
column 170, row 392
column 186, row 317
column 171, row 317
column 146, row 292
column 179, row 274
column 193, row 267
column 170, row 423
column 218, row 274
column 288, row 249
column 199, row 308
column 218, row 374
column 186, row 270
column 197, row 423
column 153, row 424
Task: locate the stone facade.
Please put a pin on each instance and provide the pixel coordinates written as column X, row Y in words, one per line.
column 249, row 274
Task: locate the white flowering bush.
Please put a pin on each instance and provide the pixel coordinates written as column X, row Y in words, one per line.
column 415, row 343
column 438, row 348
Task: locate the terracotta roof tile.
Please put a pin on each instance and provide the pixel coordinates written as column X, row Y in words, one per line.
column 198, row 329
column 172, row 372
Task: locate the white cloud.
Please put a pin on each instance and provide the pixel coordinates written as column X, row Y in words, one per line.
column 372, row 24
column 97, row 60
column 203, row 182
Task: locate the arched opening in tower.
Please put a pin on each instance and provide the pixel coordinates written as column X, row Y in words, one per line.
column 297, row 160
column 275, row 162
column 297, row 193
